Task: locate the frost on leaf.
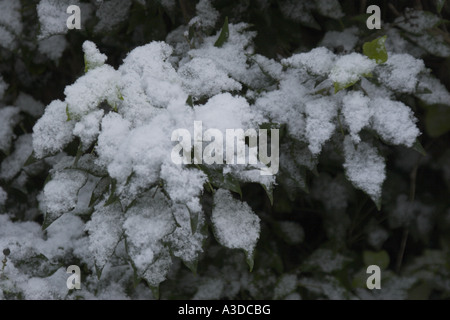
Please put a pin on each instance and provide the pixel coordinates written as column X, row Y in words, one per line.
column 356, row 111
column 146, row 224
column 394, row 121
column 105, row 231
column 10, row 24
column 235, row 224
column 3, row 196
column 52, row 132
column 364, row 168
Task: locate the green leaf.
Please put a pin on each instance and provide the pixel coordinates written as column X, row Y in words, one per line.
column 250, row 259
column 68, row 113
column 98, row 271
column 269, row 192
column 380, row 258
column 224, row 34
column 194, row 220
column 100, row 188
column 112, row 197
column 190, row 102
column 218, row 180
column 437, row 120
column 341, row 86
column 439, row 5
column 419, row 148
column 192, row 265
column 31, row 159
column 376, row 50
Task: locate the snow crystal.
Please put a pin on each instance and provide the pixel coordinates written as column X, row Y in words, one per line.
column 400, row 72
column 53, row 16
column 317, row 61
column 52, row 132
column 319, row 122
column 148, row 82
column 235, row 224
column 324, row 185
column 61, row 192
column 9, row 117
column 28, row 104
column 92, row 56
column 146, row 224
column 364, row 168
column 349, row 68
column 299, row 11
column 12, row 165
column 53, row 46
column 186, row 244
column 201, row 78
column 90, row 90
column 438, row 93
column 207, row 15
column 356, row 111
column 182, row 184
column 105, row 231
column 225, row 111
column 394, row 121
column 3, row 196
column 347, row 39
column 88, row 128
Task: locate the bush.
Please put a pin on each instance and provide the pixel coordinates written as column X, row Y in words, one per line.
column 90, row 179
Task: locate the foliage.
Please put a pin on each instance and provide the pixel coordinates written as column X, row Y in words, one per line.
column 86, row 178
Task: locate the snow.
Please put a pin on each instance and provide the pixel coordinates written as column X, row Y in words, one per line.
column 92, row 56
column 28, row 104
column 357, row 114
column 146, row 224
column 330, row 8
column 52, row 132
column 88, row 128
column 400, row 72
column 349, row 68
column 10, row 24
column 319, row 123
column 292, row 231
column 325, row 260
column 12, row 165
column 9, row 118
column 61, row 192
column 364, row 168
column 346, row 39
column 286, row 285
column 235, row 224
column 96, row 86
column 53, row 16
column 201, row 77
column 105, row 231
column 53, row 46
column 207, row 15
column 317, row 61
column 394, row 121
